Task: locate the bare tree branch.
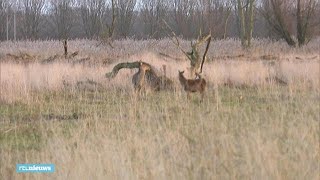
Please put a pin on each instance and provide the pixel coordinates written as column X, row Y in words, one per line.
column 195, row 62
column 175, row 40
column 205, row 52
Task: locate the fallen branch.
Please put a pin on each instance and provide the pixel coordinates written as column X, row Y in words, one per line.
column 50, row 59
column 21, row 55
column 73, row 55
column 13, row 56
column 118, row 67
column 152, row 79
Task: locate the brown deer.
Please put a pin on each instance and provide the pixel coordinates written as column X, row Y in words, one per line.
column 138, row 79
column 193, row 85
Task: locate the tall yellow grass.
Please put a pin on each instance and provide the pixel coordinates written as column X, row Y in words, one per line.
column 256, row 129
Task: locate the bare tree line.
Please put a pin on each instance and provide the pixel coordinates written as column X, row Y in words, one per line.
column 5, row 16
column 294, row 21
column 280, row 14
column 62, row 17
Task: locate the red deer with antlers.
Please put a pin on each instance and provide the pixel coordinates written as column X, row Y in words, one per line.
column 193, row 85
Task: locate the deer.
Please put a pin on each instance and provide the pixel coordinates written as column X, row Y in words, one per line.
column 193, row 85
column 138, row 79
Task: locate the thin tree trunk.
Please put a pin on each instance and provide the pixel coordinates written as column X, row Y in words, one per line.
column 242, row 23
column 226, row 23
column 251, row 22
column 299, row 24
column 65, row 46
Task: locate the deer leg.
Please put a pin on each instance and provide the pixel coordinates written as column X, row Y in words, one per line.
column 188, row 95
column 202, row 95
column 137, row 89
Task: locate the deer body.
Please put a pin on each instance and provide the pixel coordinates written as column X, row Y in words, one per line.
column 193, row 85
column 146, row 78
column 138, row 79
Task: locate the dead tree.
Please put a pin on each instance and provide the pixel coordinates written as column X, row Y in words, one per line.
column 196, row 62
column 150, row 77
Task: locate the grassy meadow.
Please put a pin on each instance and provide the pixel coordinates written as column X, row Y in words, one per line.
column 250, row 125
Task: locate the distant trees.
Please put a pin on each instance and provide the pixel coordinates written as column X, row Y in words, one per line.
column 4, row 18
column 305, row 9
column 184, row 12
column 281, row 15
column 62, row 13
column 245, row 11
column 31, row 18
column 108, row 32
column 125, row 10
column 152, row 13
column 295, row 21
column 214, row 15
column 192, row 17
column 92, row 14
column 94, row 17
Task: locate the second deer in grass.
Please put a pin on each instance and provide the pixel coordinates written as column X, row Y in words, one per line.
column 138, row 79
column 193, row 85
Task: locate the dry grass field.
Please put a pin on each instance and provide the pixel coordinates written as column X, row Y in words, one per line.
column 259, row 119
